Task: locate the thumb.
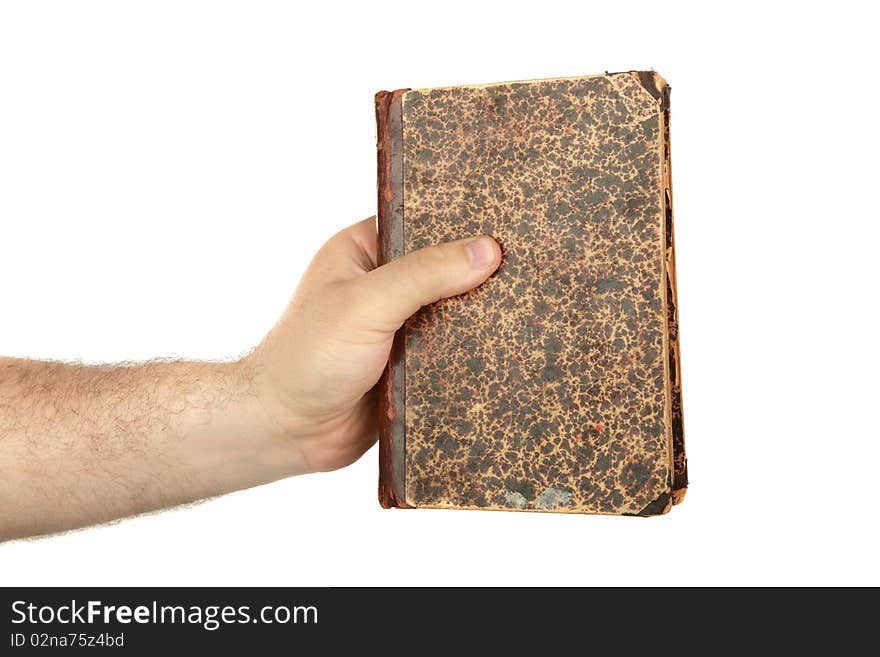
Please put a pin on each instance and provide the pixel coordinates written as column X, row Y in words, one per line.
column 399, row 288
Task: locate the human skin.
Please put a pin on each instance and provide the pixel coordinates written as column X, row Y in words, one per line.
column 81, row 445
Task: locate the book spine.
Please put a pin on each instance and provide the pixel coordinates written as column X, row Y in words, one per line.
column 392, row 435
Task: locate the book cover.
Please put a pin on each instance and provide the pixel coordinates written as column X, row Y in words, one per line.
column 555, row 385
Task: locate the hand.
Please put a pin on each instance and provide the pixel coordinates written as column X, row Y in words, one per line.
column 316, row 370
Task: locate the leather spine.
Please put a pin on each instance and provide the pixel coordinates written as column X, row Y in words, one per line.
column 392, row 456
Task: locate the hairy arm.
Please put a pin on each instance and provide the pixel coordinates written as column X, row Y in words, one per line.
column 81, row 445
column 86, row 444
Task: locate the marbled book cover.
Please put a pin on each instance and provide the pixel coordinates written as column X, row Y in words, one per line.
column 555, row 386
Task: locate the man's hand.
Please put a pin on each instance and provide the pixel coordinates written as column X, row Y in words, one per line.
column 317, row 368
column 80, row 444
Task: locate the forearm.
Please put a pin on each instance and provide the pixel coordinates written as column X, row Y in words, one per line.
column 80, row 444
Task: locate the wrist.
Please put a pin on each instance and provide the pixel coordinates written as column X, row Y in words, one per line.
column 229, row 439
column 273, row 428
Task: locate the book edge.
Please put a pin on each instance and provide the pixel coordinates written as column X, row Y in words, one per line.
column 676, row 488
column 657, row 86
column 486, row 85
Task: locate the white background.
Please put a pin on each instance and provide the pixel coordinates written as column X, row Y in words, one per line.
column 168, row 168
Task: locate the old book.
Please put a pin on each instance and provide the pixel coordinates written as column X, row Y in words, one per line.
column 555, row 385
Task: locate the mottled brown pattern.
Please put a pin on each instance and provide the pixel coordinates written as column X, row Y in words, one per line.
column 547, row 388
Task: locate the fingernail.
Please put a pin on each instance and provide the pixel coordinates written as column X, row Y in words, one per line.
column 481, row 252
